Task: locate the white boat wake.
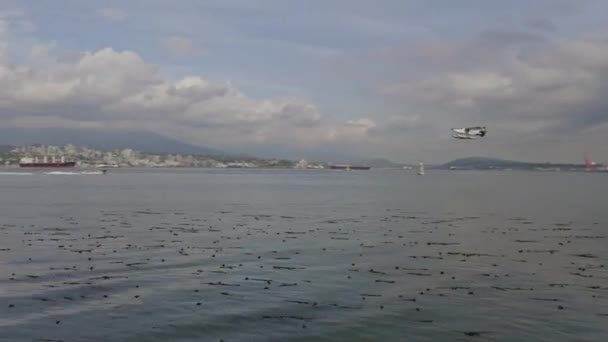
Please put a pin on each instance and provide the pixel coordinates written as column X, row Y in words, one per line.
column 64, row 173
column 16, row 173
column 74, row 173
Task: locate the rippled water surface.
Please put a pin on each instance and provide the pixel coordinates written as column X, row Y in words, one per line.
column 239, row 255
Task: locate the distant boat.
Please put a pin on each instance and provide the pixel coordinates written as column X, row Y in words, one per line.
column 47, row 165
column 35, row 163
column 106, row 166
column 591, row 166
column 348, row 167
column 420, row 169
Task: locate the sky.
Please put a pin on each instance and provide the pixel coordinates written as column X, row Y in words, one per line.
column 385, row 78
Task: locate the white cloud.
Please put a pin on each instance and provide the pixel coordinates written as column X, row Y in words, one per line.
column 563, row 82
column 11, row 13
column 364, row 122
column 534, row 104
column 112, row 14
column 180, row 46
column 118, row 89
column 524, row 82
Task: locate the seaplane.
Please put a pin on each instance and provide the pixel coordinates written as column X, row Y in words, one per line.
column 469, row 132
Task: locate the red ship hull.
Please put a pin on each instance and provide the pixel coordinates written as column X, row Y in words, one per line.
column 48, row 165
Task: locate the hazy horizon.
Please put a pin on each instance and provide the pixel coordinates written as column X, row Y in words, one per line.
column 354, row 78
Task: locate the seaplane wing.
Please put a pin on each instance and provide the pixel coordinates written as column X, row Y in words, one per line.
column 463, row 136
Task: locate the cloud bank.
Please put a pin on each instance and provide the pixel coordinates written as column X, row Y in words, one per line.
column 119, row 90
column 387, row 79
column 541, row 97
column 112, row 14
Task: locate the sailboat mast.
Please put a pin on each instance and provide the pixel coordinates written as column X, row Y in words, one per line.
column 420, row 169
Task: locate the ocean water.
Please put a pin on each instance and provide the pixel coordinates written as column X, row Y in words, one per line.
column 285, row 255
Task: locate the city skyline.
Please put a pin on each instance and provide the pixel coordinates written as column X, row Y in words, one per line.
column 128, row 157
column 84, row 156
column 355, row 78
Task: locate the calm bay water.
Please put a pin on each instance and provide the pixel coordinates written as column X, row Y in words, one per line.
column 253, row 255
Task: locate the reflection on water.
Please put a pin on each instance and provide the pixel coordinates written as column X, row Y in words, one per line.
column 285, row 255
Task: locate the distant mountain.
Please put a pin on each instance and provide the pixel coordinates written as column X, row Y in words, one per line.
column 481, row 162
column 101, row 139
column 484, row 163
column 380, row 163
column 155, row 143
column 327, row 154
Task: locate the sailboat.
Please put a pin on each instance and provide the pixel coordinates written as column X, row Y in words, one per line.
column 420, row 169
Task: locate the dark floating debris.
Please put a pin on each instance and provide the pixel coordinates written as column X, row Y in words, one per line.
column 300, row 318
column 376, row 272
column 469, row 254
column 475, row 333
column 582, row 275
column 43, row 299
column 107, row 256
column 586, row 255
column 547, row 299
column 512, row 288
column 288, row 284
column 344, row 306
column 219, row 283
column 407, row 299
column 288, row 268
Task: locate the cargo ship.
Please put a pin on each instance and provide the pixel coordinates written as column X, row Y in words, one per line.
column 591, row 166
column 349, row 167
column 35, row 163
